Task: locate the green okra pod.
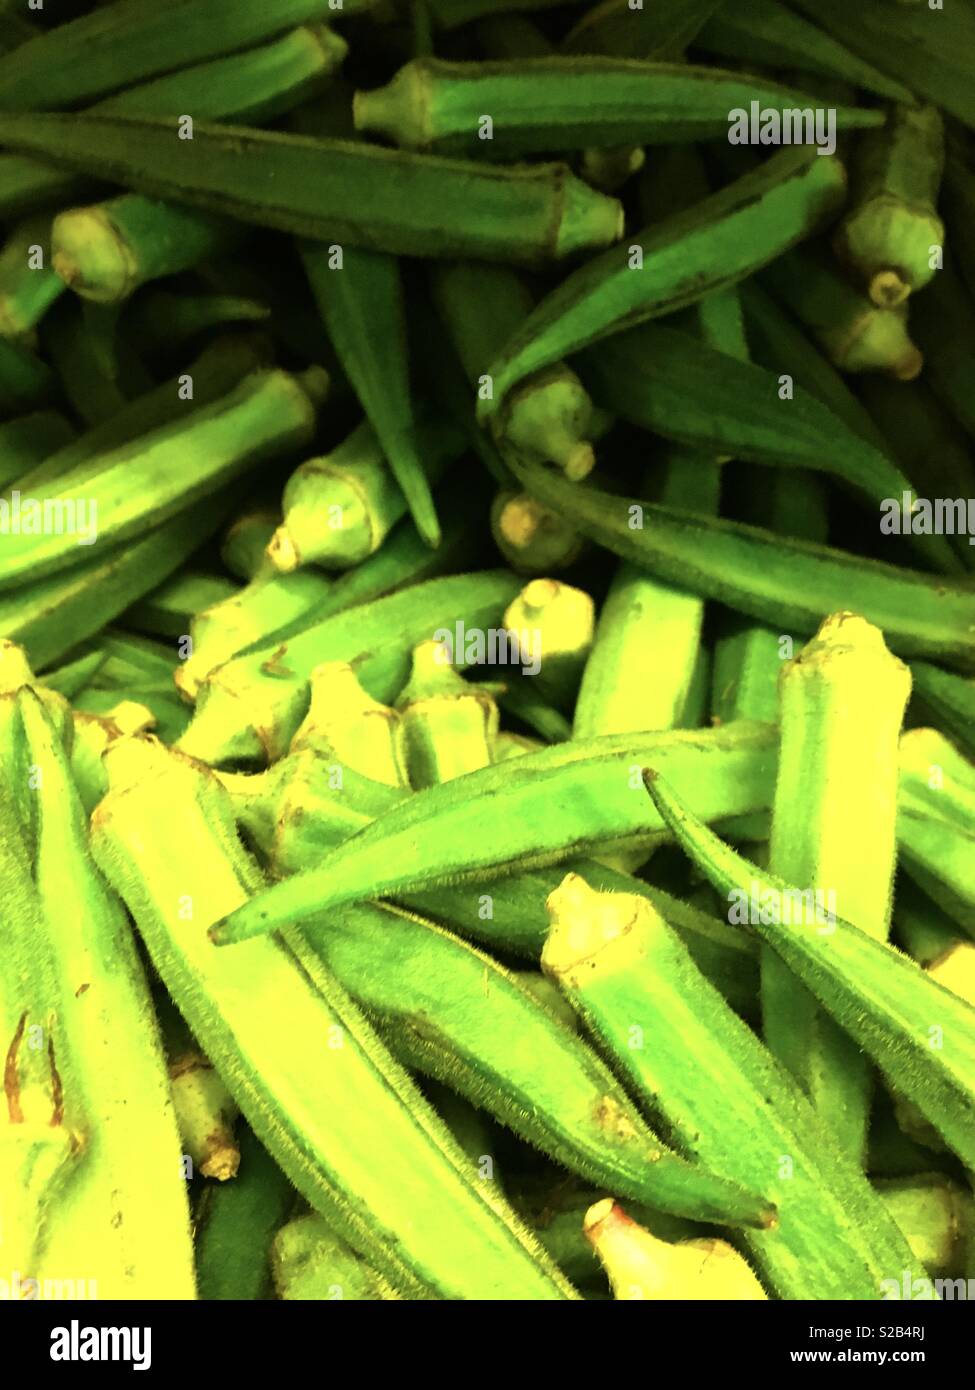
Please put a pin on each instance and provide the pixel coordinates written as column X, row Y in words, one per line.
column 653, row 31
column 926, row 50
column 205, row 1112
column 886, row 1003
column 841, row 706
column 29, row 284
column 723, row 1096
column 50, row 617
column 447, row 725
column 522, row 699
column 450, row 1011
column 267, row 1027
column 334, row 190
column 269, row 413
column 162, row 321
column 125, row 1218
column 483, row 307
column 539, row 105
column 709, row 246
column 245, row 541
column 531, row 538
column 436, row 836
column 25, row 381
column 944, row 320
column 449, row 14
column 950, row 698
column 87, row 372
column 788, row 583
column 249, row 708
column 236, row 1225
column 310, row 1263
column 855, row 334
column 936, row 1216
column 767, row 34
column 28, row 440
column 132, row 40
column 338, row 509
column 892, row 235
column 360, row 297
column 169, row 610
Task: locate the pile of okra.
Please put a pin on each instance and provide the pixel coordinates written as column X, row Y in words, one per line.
column 487, row 649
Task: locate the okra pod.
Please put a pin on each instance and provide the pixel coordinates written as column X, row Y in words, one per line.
column 855, row 334
column 950, row 698
column 447, row 724
column 643, row 1268
column 310, row 1262
column 125, row 1217
column 723, row 1096
column 360, row 299
column 338, row 509
column 588, row 788
column 766, row 34
column 236, row 1226
column 431, row 1232
column 654, row 31
column 483, row 307
column 944, row 319
column 74, row 347
column 269, row 413
column 29, row 285
column 788, row 583
column 132, row 40
column 242, row 547
column 935, row 1215
column 169, row 610
column 560, row 104
column 347, row 726
column 248, row 709
column 450, row 1011
column 886, row 1003
column 531, row 538
column 205, row 1112
column 25, row 381
column 710, row 246
column 334, row 190
column 841, row 706
column 550, row 626
column 449, row 14
column 28, row 440
column 892, row 235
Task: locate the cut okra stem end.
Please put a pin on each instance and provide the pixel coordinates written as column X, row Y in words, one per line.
column 91, row 257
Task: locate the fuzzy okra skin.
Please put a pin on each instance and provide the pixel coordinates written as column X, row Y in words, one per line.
column 675, row 262
column 249, row 708
column 539, row 105
column 951, row 698
column 451, row 1011
column 547, row 807
column 618, row 28
column 133, row 39
column 126, row 1219
column 834, row 830
column 311, row 1264
column 788, row 583
column 361, row 302
column 732, row 1106
column 892, row 233
column 159, row 475
column 313, row 1080
column 886, row 1003
column 335, row 190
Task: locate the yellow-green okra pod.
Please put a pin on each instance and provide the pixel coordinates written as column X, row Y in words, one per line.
column 29, row 284
column 310, row 1263
column 883, row 1000
column 314, row 1081
column 336, row 191
column 249, row 708
column 338, row 509
column 551, row 629
column 950, row 698
column 447, row 725
column 834, row 831
column 205, row 1111
column 936, row 1215
column 772, row 578
column 349, row 728
column 450, row 1011
column 531, row 538
column 892, row 235
column 673, row 263
column 722, row 1094
column 125, row 1218
column 29, row 439
column 539, row 105
column 549, row 806
column 169, row 610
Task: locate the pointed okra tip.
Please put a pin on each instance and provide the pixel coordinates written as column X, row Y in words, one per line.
column 641, row 1267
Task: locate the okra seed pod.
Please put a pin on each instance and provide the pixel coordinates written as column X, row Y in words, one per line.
column 553, row 625
column 345, row 724
column 642, row 1268
column 448, row 724
column 531, row 537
